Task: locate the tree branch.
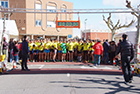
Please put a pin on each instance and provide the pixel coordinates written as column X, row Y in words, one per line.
column 129, row 6
column 125, row 25
column 116, row 24
column 107, row 22
column 133, row 13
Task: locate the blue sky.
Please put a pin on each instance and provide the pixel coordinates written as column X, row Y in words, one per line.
column 95, row 21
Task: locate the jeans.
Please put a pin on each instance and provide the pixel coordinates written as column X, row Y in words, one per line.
column 105, row 54
column 11, row 56
column 97, row 57
column 16, row 58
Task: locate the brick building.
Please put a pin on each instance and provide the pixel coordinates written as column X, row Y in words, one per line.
column 40, row 25
column 97, row 34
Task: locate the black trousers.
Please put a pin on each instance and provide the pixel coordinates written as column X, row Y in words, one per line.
column 112, row 55
column 24, row 61
column 126, row 68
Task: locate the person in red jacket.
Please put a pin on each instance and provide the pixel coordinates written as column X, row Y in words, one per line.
column 98, row 51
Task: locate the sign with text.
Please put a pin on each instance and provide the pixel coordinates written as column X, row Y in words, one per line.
column 67, row 24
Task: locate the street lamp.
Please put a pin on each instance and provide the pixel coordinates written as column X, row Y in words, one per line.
column 85, row 28
column 5, row 15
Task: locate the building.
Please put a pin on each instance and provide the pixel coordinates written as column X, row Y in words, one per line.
column 96, row 34
column 40, row 25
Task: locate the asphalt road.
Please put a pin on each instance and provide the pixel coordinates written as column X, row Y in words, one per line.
column 67, row 84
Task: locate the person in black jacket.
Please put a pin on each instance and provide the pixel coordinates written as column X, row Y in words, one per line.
column 127, row 54
column 25, row 51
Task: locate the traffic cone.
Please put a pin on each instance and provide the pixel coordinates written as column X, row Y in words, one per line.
column 28, row 60
column 4, row 68
column 14, row 64
column 114, row 63
column 133, row 70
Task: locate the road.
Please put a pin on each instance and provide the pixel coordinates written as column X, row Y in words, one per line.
column 70, row 78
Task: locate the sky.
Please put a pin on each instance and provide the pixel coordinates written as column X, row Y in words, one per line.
column 95, row 21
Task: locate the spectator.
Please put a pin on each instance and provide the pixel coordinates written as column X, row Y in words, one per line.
column 119, row 42
column 5, row 46
column 16, row 52
column 112, row 51
column 127, row 54
column 98, row 51
column 25, row 51
column 105, row 52
column 11, row 46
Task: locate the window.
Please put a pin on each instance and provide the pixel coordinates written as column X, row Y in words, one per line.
column 63, row 10
column 3, row 18
column 4, row 4
column 51, row 24
column 38, row 22
column 24, row 21
column 51, row 9
column 38, row 6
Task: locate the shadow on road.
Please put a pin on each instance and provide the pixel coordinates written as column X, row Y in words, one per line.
column 110, row 86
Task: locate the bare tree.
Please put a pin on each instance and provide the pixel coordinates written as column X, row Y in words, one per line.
column 136, row 12
column 115, row 27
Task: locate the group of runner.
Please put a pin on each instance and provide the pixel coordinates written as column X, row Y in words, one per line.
column 46, row 50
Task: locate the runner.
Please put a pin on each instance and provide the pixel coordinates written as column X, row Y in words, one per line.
column 64, row 51
column 47, row 50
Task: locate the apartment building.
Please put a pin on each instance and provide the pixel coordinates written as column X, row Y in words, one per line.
column 36, row 25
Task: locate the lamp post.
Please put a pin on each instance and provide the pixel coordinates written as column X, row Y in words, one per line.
column 5, row 15
column 85, row 28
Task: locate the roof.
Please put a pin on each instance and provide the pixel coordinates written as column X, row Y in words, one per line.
column 11, row 27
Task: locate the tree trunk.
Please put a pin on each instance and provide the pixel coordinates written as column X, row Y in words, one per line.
column 137, row 42
column 112, row 35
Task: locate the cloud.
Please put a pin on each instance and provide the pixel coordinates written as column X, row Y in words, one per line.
column 120, row 3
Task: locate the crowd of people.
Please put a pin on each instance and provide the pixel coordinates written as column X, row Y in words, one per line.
column 94, row 51
column 78, row 50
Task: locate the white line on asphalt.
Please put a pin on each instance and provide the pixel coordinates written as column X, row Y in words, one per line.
column 41, row 66
column 68, row 74
column 35, row 65
column 84, row 67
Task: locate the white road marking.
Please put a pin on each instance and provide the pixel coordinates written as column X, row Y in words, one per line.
column 41, row 66
column 94, row 67
column 35, row 65
column 68, row 74
column 84, row 67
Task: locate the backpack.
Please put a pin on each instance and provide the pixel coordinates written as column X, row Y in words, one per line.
column 113, row 48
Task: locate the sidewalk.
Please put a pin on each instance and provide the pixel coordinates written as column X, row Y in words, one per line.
column 66, row 67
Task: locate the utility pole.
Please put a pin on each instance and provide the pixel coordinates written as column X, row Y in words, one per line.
column 3, row 34
column 5, row 14
column 85, row 29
